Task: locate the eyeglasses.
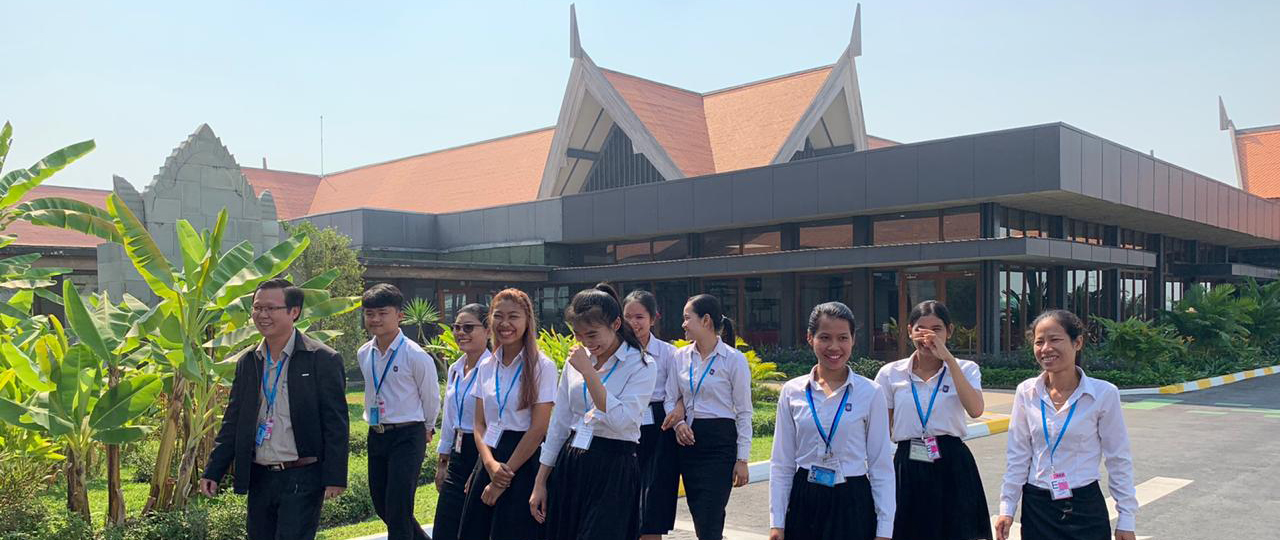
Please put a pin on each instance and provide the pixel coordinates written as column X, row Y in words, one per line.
column 464, row 328
column 268, row 309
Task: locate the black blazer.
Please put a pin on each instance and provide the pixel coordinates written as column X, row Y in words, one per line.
column 317, row 406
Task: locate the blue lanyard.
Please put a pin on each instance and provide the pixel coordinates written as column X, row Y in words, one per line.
column 497, row 385
column 924, row 417
column 705, row 370
column 587, row 404
column 459, row 398
column 373, row 365
column 1045, row 424
column 271, row 397
column 835, row 422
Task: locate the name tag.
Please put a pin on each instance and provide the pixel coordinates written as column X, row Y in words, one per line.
column 492, row 435
column 582, row 438
column 375, row 416
column 457, row 441
column 264, row 432
column 920, row 451
column 826, row 473
column 1059, row 486
column 646, row 416
column 382, row 407
column 931, row 444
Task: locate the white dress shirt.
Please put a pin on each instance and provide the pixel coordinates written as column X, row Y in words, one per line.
column 724, row 393
column 663, row 356
column 861, row 443
column 459, row 406
column 948, row 417
column 1096, row 432
column 411, row 389
column 631, row 379
column 513, row 417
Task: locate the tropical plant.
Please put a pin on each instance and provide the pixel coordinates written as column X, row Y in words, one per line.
column 1139, row 344
column 330, row 251
column 202, row 314
column 420, row 314
column 1215, row 321
column 556, row 346
column 81, row 397
column 444, row 347
column 761, row 371
column 1262, row 307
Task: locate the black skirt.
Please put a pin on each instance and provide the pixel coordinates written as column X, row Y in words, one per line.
column 1082, row 517
column 942, row 500
column 594, row 494
column 659, row 475
column 846, row 511
column 707, row 469
column 509, row 518
column 453, row 494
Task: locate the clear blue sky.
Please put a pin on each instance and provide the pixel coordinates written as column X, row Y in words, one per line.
column 396, row 79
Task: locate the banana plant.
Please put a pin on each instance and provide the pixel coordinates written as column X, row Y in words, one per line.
column 82, row 398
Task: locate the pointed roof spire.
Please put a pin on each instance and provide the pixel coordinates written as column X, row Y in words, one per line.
column 1224, row 121
column 575, row 43
column 855, row 41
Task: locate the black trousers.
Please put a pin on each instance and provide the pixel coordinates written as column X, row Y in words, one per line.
column 453, row 495
column 395, row 460
column 707, row 469
column 284, row 505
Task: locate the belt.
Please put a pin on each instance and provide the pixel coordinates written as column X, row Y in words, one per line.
column 300, row 462
column 381, row 428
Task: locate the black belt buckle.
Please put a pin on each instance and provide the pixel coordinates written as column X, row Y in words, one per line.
column 275, row 467
column 379, row 428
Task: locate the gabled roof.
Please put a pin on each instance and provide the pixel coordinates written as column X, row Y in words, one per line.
column 1258, row 155
column 748, row 123
column 490, row 173
column 292, row 191
column 36, row 235
column 674, row 116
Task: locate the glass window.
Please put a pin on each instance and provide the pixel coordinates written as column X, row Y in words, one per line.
column 633, row 252
column 961, row 224
column 592, row 254
column 885, row 331
column 718, row 243
column 837, row 234
column 726, row 290
column 1024, row 294
column 763, row 311
column 672, row 296
column 906, row 229
column 670, row 249
column 761, row 240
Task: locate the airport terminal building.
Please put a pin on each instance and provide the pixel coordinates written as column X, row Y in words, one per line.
column 772, row 196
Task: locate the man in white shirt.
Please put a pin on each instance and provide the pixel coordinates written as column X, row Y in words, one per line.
column 401, row 398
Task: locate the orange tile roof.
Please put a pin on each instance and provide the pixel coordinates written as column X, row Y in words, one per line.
column 35, row 235
column 674, row 117
column 747, row 124
column 1259, row 159
column 876, row 142
column 293, row 191
column 490, row 173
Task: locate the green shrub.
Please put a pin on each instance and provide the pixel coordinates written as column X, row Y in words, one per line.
column 358, row 438
column 1137, row 344
column 1215, row 321
column 141, row 458
column 427, row 474
column 354, row 505
column 23, row 518
column 866, row 367
column 764, row 393
column 763, row 418
column 228, row 517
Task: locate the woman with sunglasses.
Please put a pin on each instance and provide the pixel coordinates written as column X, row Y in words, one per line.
column 457, row 446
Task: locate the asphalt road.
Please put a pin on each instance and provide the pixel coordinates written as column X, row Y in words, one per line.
column 1207, row 458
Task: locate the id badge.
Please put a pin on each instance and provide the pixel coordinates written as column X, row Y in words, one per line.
column 457, row 441
column 264, row 433
column 646, row 416
column 920, row 451
column 375, row 416
column 822, row 476
column 931, row 444
column 582, row 437
column 382, row 407
column 493, row 435
column 1059, row 486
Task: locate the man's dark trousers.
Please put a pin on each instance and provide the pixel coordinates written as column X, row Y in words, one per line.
column 285, row 505
column 395, row 462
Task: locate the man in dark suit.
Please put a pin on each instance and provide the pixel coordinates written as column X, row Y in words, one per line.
column 286, row 435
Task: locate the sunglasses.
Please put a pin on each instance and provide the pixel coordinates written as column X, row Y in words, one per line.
column 465, row 328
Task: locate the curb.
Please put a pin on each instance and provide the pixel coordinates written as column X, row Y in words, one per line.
column 987, row 427
column 1201, row 384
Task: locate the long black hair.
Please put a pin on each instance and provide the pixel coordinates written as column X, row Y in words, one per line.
column 832, row 310
column 647, row 301
column 705, row 305
column 600, row 305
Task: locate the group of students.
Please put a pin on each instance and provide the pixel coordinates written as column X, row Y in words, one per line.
column 598, row 451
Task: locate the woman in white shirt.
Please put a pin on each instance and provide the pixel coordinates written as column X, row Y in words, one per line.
column 659, row 475
column 1064, row 422
column 831, row 473
column 514, row 395
column 709, row 396
column 589, row 483
column 932, row 395
column 457, row 446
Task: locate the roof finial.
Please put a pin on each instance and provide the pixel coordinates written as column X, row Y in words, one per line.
column 575, row 44
column 855, row 41
column 1224, row 121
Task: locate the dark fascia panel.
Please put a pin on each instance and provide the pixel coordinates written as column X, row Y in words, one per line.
column 1031, row 250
